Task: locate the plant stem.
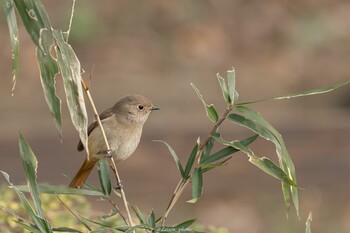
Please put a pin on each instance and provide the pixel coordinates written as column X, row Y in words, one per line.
column 125, row 202
column 183, row 182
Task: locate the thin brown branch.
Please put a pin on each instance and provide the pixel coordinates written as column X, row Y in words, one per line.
column 183, row 182
column 125, row 202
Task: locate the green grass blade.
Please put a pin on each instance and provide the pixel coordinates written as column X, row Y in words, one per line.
column 208, row 147
column 301, row 94
column 30, row 165
column 65, row 229
column 190, row 161
column 197, row 185
column 40, row 223
column 103, row 174
column 175, row 157
column 70, row 71
column 14, row 38
column 55, row 189
column 152, row 219
column 185, row 224
column 139, row 215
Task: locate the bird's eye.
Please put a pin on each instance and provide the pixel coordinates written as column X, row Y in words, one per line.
column 140, row 107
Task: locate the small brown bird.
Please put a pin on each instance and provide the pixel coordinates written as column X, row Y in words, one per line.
column 123, row 125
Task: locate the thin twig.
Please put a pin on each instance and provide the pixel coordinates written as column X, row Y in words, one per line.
column 71, row 19
column 183, row 182
column 125, row 202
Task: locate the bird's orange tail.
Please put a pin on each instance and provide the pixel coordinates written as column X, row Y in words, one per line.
column 83, row 173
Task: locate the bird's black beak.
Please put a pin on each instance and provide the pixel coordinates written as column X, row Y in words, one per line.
column 154, row 108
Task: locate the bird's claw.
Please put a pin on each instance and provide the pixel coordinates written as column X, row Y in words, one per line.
column 119, row 186
column 109, row 153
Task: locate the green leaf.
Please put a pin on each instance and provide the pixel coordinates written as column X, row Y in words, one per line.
column 224, row 89
column 208, row 147
column 40, row 223
column 70, row 71
column 197, row 185
column 65, row 229
column 30, row 165
column 103, row 174
column 231, row 80
column 54, row 189
column 48, row 71
column 152, row 219
column 34, row 17
column 209, row 109
column 14, row 37
column 186, row 224
column 255, row 122
column 212, row 113
column 308, row 223
column 223, row 153
column 176, row 159
column 30, row 228
column 139, row 215
column 191, row 160
column 271, row 168
column 301, row 94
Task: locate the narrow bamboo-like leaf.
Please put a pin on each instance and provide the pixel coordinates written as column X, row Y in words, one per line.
column 209, row 109
column 212, row 113
column 65, row 229
column 197, row 185
column 231, row 80
column 40, row 223
column 30, row 228
column 48, row 71
column 105, row 179
column 266, row 165
column 301, row 94
column 190, row 161
column 176, row 159
column 223, row 153
column 30, row 165
column 34, row 17
column 152, row 219
column 235, row 144
column 258, row 124
column 139, row 215
column 13, row 29
column 70, row 71
column 208, row 147
column 224, row 89
column 308, row 223
column 54, row 189
column 186, row 224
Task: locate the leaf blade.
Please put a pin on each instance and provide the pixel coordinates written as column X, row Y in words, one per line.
column 175, row 157
column 197, row 185
column 209, row 109
column 104, row 177
column 70, row 71
column 13, row 29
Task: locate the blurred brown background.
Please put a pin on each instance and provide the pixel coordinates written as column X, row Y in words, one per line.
column 157, row 48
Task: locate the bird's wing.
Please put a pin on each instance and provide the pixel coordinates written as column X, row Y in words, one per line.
column 104, row 115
